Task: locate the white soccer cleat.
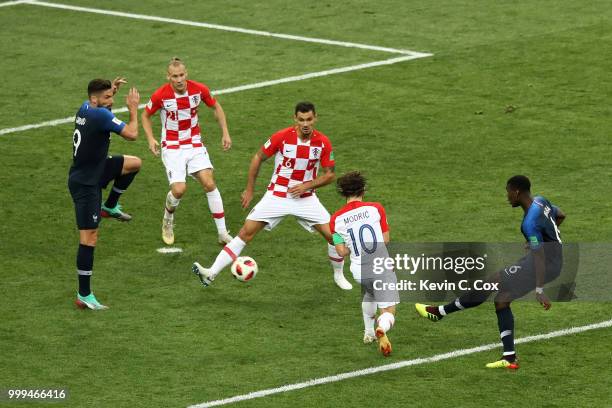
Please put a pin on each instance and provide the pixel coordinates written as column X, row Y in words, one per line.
column 341, row 281
column 369, row 338
column 203, row 274
column 168, row 231
column 225, row 238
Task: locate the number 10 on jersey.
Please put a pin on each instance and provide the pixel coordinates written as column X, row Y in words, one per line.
column 362, row 242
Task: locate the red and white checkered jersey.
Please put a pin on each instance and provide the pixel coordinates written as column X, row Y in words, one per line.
column 361, row 226
column 179, row 114
column 296, row 160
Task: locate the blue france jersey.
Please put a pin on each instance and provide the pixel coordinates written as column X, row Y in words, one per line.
column 90, row 143
column 539, row 224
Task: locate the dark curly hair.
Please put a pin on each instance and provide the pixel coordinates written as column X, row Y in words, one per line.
column 351, row 184
column 521, row 183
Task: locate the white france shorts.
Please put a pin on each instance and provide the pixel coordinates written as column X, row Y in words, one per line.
column 180, row 162
column 272, row 209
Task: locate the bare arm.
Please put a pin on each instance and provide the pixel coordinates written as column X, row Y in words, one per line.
column 342, row 250
column 540, row 271
column 386, row 237
column 247, row 194
column 130, row 131
column 540, row 265
column 560, row 216
column 226, row 140
column 147, row 125
column 327, row 176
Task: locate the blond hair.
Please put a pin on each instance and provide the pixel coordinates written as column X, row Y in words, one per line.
column 175, row 62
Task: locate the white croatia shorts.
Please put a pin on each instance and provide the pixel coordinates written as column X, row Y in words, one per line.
column 180, row 162
column 376, row 288
column 272, row 209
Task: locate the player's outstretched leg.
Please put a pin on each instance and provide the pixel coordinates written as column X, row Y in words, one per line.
column 384, row 323
column 203, row 274
column 467, row 300
column 111, row 207
column 229, row 252
column 226, row 256
column 428, row 311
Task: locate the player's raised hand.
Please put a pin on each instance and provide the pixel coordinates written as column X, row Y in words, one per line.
column 226, row 141
column 154, row 147
column 132, row 99
column 117, row 82
column 543, row 300
column 246, row 197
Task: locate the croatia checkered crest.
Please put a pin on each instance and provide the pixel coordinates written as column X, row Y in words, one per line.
column 244, row 268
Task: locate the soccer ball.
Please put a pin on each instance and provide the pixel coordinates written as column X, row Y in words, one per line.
column 244, row 268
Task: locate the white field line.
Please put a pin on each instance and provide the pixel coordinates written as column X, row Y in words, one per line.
column 407, row 54
column 395, row 366
column 220, row 27
column 11, row 3
column 241, row 88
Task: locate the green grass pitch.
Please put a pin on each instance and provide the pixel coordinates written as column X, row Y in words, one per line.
column 513, row 87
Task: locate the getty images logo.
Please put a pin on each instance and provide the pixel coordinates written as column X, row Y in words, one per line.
column 422, row 262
